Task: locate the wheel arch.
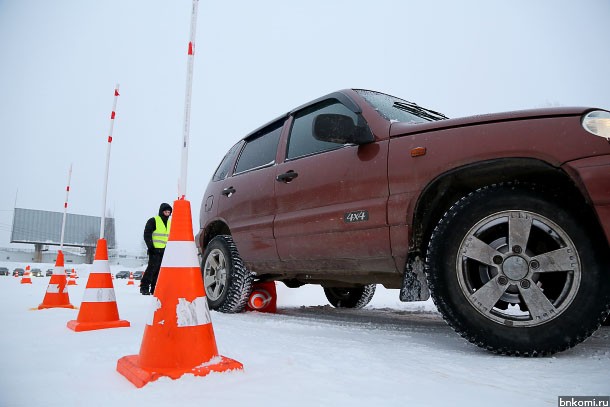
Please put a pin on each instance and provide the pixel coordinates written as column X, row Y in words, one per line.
column 438, row 196
column 213, row 229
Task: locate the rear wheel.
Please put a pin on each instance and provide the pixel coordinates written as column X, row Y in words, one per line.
column 516, row 273
column 350, row 297
column 227, row 282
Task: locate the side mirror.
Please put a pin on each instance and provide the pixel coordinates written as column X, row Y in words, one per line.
column 339, row 128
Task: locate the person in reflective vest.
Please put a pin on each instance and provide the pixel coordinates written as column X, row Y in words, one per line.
column 156, row 233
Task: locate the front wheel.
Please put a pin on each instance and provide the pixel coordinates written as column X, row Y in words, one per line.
column 227, row 282
column 516, row 273
column 352, row 297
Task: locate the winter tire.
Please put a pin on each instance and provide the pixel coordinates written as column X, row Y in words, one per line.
column 352, row 297
column 515, row 272
column 227, row 282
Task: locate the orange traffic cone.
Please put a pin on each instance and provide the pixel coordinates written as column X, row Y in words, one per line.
column 131, row 281
column 98, row 309
column 26, row 278
column 263, row 297
column 178, row 337
column 57, row 295
column 72, row 278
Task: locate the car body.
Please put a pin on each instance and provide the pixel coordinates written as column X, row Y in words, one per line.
column 503, row 218
column 36, row 272
column 49, row 273
column 137, row 275
column 4, row 271
column 122, row 274
column 18, row 271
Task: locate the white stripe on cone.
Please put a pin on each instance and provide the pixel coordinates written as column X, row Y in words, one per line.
column 99, row 295
column 259, row 294
column 54, row 289
column 154, row 306
column 59, row 270
column 188, row 313
column 101, row 266
column 192, row 313
column 180, row 254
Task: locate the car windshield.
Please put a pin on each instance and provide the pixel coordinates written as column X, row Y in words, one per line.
column 398, row 110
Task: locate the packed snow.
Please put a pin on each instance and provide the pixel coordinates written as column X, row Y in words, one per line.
column 307, row 354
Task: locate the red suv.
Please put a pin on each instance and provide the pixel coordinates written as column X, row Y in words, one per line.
column 503, row 218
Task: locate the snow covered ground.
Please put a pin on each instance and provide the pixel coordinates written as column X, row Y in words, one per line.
column 308, row 354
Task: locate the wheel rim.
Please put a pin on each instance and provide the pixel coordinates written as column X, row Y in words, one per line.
column 518, row 268
column 215, row 274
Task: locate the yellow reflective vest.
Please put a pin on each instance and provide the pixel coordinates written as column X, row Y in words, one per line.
column 161, row 233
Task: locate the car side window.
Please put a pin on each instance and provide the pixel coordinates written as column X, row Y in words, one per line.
column 260, row 149
column 301, row 141
column 224, row 168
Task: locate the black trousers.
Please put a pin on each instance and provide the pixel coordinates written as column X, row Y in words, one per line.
column 149, row 279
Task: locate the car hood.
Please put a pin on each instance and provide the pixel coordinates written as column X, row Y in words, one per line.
column 401, row 128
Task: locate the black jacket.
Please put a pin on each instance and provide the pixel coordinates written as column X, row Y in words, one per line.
column 151, row 225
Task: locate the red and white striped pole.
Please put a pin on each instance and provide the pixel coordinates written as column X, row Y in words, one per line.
column 187, row 102
column 63, row 222
column 112, row 115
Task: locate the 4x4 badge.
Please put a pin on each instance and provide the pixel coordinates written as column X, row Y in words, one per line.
column 356, row 216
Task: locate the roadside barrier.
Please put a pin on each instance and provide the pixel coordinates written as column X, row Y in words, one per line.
column 131, row 280
column 263, row 297
column 178, row 337
column 99, row 308
column 72, row 278
column 27, row 277
column 56, row 295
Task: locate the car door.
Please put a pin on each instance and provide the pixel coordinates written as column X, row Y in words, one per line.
column 331, row 200
column 246, row 198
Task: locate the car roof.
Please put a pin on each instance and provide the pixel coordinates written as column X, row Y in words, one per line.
column 340, row 95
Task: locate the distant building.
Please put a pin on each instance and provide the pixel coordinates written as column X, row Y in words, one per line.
column 43, row 229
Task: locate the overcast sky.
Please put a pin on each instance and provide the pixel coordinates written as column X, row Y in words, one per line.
column 254, row 60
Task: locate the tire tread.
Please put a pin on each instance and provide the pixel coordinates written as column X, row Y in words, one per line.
column 434, row 281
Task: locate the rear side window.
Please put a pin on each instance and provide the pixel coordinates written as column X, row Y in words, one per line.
column 225, row 165
column 302, row 141
column 260, row 149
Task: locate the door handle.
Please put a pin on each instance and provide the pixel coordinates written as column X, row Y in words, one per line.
column 228, row 191
column 287, row 176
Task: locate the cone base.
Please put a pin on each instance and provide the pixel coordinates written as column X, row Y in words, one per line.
column 46, row 306
column 129, row 366
column 90, row 326
column 26, row 282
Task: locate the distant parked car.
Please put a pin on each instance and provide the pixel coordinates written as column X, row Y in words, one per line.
column 4, row 271
column 137, row 275
column 18, row 272
column 49, row 272
column 36, row 273
column 122, row 274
